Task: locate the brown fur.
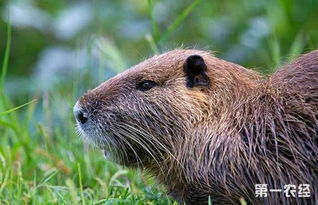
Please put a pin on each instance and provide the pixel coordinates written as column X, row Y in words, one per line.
column 217, row 140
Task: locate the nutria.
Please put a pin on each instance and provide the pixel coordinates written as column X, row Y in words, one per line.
column 208, row 129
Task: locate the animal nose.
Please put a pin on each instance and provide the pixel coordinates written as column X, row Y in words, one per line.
column 81, row 117
column 79, row 114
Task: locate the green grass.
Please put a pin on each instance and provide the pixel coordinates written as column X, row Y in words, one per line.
column 43, row 160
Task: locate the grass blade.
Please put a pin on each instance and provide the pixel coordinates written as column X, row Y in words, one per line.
column 297, row 47
column 180, row 18
column 152, row 43
column 155, row 29
column 80, row 183
column 16, row 108
column 275, row 53
column 6, row 54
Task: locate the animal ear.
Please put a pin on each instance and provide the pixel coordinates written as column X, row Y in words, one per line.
column 195, row 70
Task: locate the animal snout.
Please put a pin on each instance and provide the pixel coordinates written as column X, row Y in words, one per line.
column 80, row 115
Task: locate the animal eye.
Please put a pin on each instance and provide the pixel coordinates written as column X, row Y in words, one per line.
column 146, row 85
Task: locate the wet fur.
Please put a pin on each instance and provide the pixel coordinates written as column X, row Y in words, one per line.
column 217, row 140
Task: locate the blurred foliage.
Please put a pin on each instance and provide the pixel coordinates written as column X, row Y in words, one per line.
column 59, row 49
column 240, row 31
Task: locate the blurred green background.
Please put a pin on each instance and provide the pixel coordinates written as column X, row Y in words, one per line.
column 52, row 39
column 59, row 49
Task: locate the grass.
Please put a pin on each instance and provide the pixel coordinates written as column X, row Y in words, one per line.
column 43, row 161
column 176, row 23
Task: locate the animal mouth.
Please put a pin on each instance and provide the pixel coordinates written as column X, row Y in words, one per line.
column 112, row 149
column 120, row 142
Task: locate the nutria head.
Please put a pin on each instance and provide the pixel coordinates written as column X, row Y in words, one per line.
column 140, row 116
column 206, row 127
